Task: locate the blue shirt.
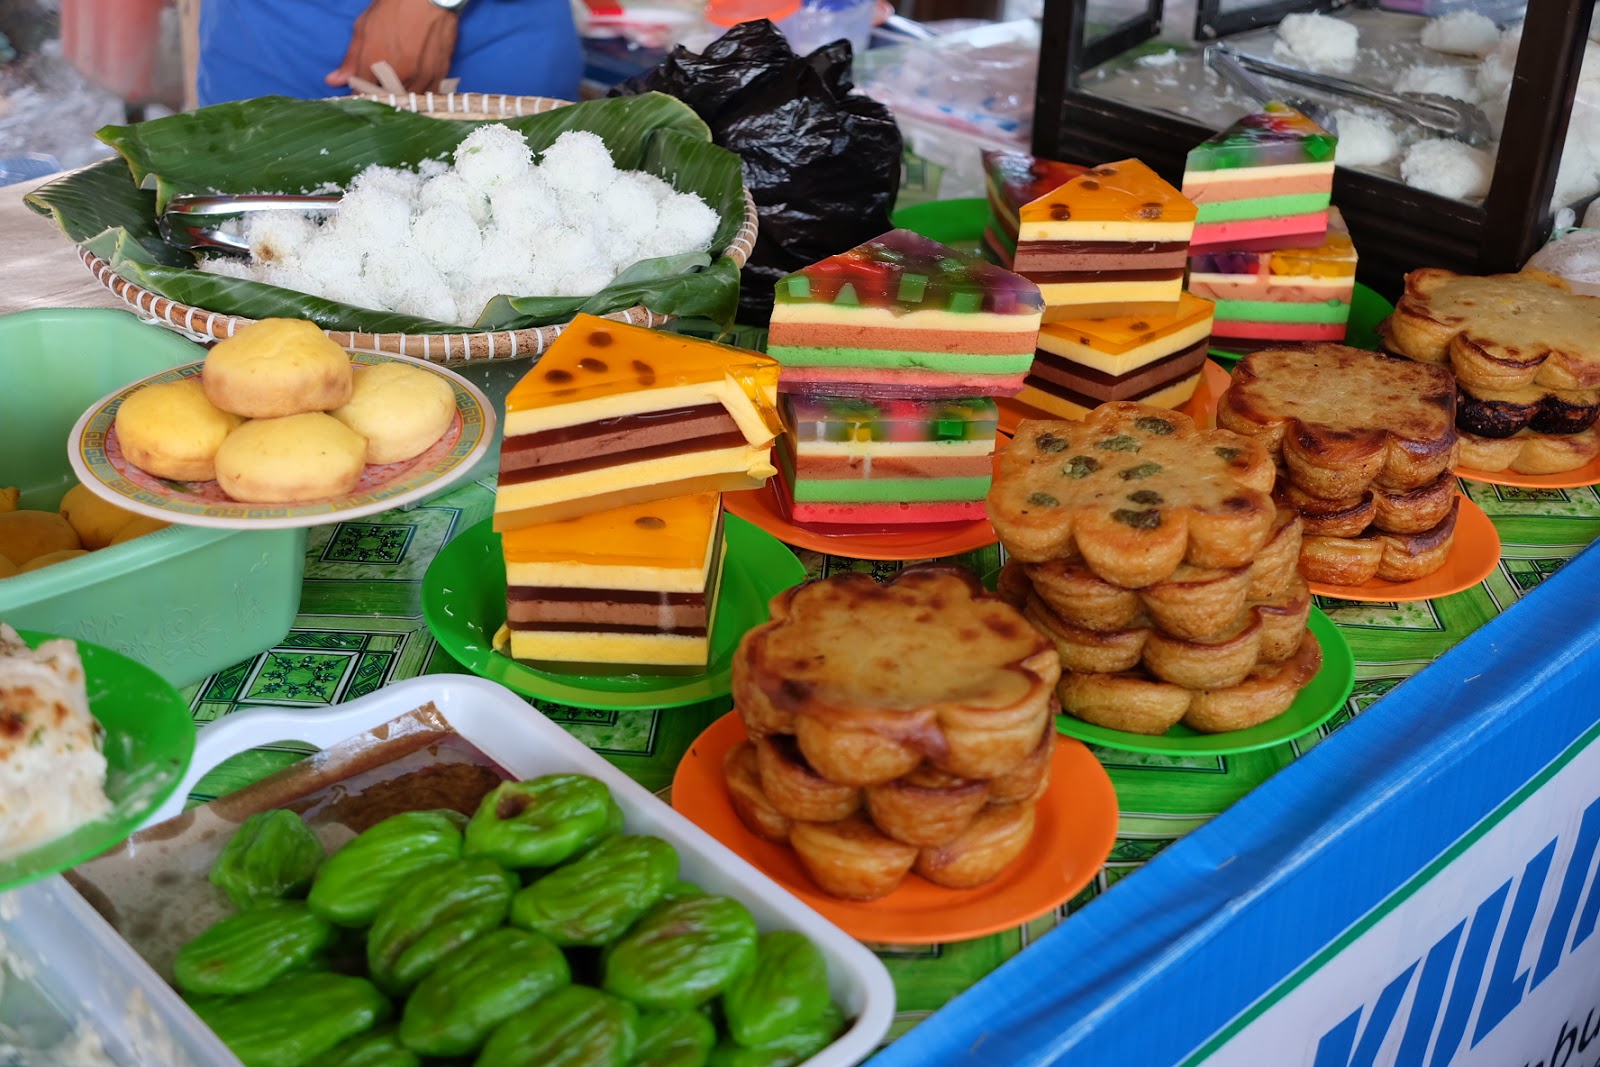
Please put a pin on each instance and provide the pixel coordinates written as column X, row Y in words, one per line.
column 287, row 47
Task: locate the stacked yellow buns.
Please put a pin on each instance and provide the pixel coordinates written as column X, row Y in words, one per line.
column 1151, row 555
column 31, row 540
column 280, row 416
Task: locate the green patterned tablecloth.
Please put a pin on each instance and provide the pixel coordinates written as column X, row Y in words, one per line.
column 360, row 627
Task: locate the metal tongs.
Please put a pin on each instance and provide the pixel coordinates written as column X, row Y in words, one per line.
column 195, row 221
column 1225, row 62
column 1432, row 111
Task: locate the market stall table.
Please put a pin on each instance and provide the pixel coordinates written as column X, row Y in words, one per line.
column 360, row 627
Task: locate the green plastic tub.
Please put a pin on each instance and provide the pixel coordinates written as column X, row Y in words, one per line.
column 187, row 602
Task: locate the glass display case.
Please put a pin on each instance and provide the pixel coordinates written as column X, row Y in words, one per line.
column 1120, row 81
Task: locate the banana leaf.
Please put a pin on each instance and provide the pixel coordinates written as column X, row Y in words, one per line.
column 275, row 144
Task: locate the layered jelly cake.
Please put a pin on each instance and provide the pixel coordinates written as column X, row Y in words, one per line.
column 853, row 461
column 1264, row 182
column 633, row 587
column 904, row 316
column 1151, row 359
column 1286, row 294
column 614, row 415
column 1011, row 180
column 1112, row 241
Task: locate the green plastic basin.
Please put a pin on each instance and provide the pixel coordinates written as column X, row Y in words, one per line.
column 186, row 602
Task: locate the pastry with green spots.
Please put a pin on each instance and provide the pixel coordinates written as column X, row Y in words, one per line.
column 1134, row 492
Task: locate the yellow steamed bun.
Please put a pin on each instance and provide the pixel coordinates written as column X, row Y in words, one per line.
column 277, row 367
column 401, row 410
column 295, row 458
column 172, row 431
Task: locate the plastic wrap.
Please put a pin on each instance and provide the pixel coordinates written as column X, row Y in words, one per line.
column 822, row 163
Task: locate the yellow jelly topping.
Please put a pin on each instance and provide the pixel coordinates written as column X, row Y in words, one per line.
column 1129, row 331
column 1127, row 191
column 1334, row 258
column 676, row 532
column 597, row 357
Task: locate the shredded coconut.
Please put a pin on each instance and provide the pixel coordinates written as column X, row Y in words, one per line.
column 1365, row 140
column 1318, row 41
column 1461, row 33
column 1448, row 168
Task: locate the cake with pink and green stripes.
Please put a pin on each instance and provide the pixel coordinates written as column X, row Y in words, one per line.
column 1263, row 183
column 856, row 462
column 903, row 316
column 1281, row 295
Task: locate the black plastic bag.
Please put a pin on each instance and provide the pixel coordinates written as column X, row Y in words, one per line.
column 822, row 164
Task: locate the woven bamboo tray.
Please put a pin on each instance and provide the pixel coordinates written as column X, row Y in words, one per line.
column 199, row 324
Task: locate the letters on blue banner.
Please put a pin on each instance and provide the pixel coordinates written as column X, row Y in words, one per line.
column 1483, row 974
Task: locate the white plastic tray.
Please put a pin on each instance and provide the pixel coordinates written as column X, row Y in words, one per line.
column 507, row 729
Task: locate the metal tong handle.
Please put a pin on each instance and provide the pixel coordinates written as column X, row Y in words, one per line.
column 190, row 220
column 1443, row 116
column 1225, row 61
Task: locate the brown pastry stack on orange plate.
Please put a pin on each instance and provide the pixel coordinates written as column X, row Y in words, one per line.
column 1365, row 445
column 894, row 728
column 1150, row 552
column 1525, row 353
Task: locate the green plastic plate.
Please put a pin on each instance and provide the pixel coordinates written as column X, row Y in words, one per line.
column 149, row 740
column 464, row 601
column 1315, row 705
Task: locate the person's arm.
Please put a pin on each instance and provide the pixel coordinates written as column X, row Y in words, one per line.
column 415, row 37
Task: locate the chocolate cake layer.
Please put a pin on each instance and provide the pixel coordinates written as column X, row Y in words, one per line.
column 1084, row 400
column 1053, row 368
column 624, row 433
column 1031, row 262
column 1066, row 277
column 606, row 628
column 578, row 465
column 601, row 614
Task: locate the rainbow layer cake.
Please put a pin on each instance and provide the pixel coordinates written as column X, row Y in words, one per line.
column 1289, row 294
column 1112, row 241
column 1013, row 179
column 1264, row 182
column 903, row 316
column 632, row 587
column 1150, row 359
column 614, row 415
column 861, row 462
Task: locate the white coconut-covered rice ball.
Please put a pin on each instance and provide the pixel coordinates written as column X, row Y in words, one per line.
column 1365, row 140
column 451, row 188
column 492, row 155
column 1448, row 168
column 524, row 206
column 446, row 236
column 373, row 217
column 278, row 237
column 629, row 205
column 1321, row 42
column 687, row 218
column 1461, row 33
column 1454, row 82
column 577, row 164
column 229, row 267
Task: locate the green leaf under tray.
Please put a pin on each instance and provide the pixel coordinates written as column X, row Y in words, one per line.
column 275, row 144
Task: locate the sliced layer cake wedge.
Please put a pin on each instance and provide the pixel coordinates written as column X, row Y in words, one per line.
column 904, row 316
column 1112, row 241
column 1151, row 359
column 632, row 587
column 1264, row 182
column 1013, row 179
column 880, row 463
column 614, row 415
column 1282, row 294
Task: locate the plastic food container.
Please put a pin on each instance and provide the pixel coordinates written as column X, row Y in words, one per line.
column 186, row 602
column 68, row 982
column 503, row 726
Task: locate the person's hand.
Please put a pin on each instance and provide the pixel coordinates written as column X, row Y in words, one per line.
column 415, row 37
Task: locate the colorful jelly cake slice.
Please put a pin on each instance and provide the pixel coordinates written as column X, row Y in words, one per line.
column 864, row 462
column 1112, row 241
column 1150, row 359
column 904, row 316
column 1266, row 178
column 614, row 415
column 1013, row 179
column 1288, row 294
column 633, row 587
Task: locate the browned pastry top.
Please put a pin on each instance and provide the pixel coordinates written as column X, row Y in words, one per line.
column 931, row 638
